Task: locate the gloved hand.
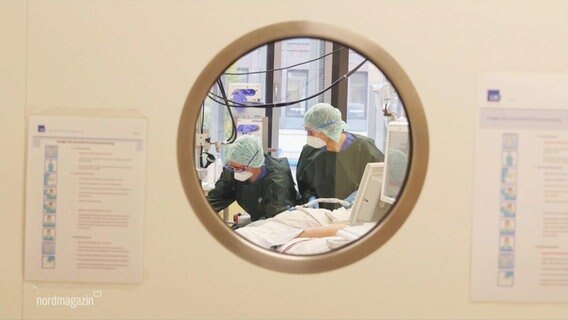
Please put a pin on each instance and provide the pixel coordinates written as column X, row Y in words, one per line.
column 351, row 199
column 312, row 203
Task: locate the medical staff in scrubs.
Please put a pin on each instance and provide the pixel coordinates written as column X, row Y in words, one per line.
column 262, row 185
column 333, row 162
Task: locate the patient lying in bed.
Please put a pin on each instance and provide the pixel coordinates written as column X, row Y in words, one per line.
column 303, row 231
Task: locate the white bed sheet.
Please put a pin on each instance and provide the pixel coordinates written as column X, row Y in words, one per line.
column 281, row 232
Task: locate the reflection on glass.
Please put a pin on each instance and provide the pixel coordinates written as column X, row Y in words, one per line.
column 302, row 199
column 397, row 154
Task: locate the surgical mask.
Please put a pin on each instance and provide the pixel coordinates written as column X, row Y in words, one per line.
column 243, row 175
column 315, row 142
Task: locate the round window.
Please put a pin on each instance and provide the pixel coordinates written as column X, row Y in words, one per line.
column 302, row 147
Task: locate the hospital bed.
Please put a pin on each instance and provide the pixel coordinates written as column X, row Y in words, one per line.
column 281, row 233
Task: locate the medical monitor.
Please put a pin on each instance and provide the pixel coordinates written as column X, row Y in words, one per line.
column 366, row 202
column 397, row 152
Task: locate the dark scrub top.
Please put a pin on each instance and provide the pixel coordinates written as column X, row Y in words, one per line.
column 271, row 193
column 326, row 174
column 305, row 179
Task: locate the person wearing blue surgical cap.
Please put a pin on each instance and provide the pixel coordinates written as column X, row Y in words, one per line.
column 332, row 163
column 262, row 185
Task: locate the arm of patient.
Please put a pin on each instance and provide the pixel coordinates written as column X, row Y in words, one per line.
column 320, row 232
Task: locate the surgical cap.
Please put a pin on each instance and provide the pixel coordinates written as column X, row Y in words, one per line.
column 325, row 118
column 247, row 150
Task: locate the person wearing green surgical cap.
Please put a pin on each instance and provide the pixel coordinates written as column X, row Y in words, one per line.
column 262, row 185
column 332, row 163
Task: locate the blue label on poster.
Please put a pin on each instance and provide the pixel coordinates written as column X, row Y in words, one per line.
column 493, row 95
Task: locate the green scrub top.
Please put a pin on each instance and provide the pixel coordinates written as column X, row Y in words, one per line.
column 326, row 174
column 305, row 178
column 264, row 198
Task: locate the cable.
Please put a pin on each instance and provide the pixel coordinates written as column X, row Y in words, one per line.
column 284, row 104
column 282, row 68
column 236, row 104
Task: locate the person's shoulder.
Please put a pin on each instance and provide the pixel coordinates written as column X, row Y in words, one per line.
column 363, row 142
column 363, row 139
column 309, row 152
column 307, row 148
column 366, row 145
column 278, row 171
column 276, row 163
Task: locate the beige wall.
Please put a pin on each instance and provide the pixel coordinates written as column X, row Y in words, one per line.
column 12, row 133
column 145, row 55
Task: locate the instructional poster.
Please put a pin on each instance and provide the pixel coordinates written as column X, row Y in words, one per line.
column 520, row 222
column 85, row 182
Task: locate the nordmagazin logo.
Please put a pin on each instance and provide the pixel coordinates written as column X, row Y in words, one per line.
column 72, row 302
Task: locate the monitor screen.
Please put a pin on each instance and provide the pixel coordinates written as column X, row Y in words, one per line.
column 367, row 199
column 396, row 160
